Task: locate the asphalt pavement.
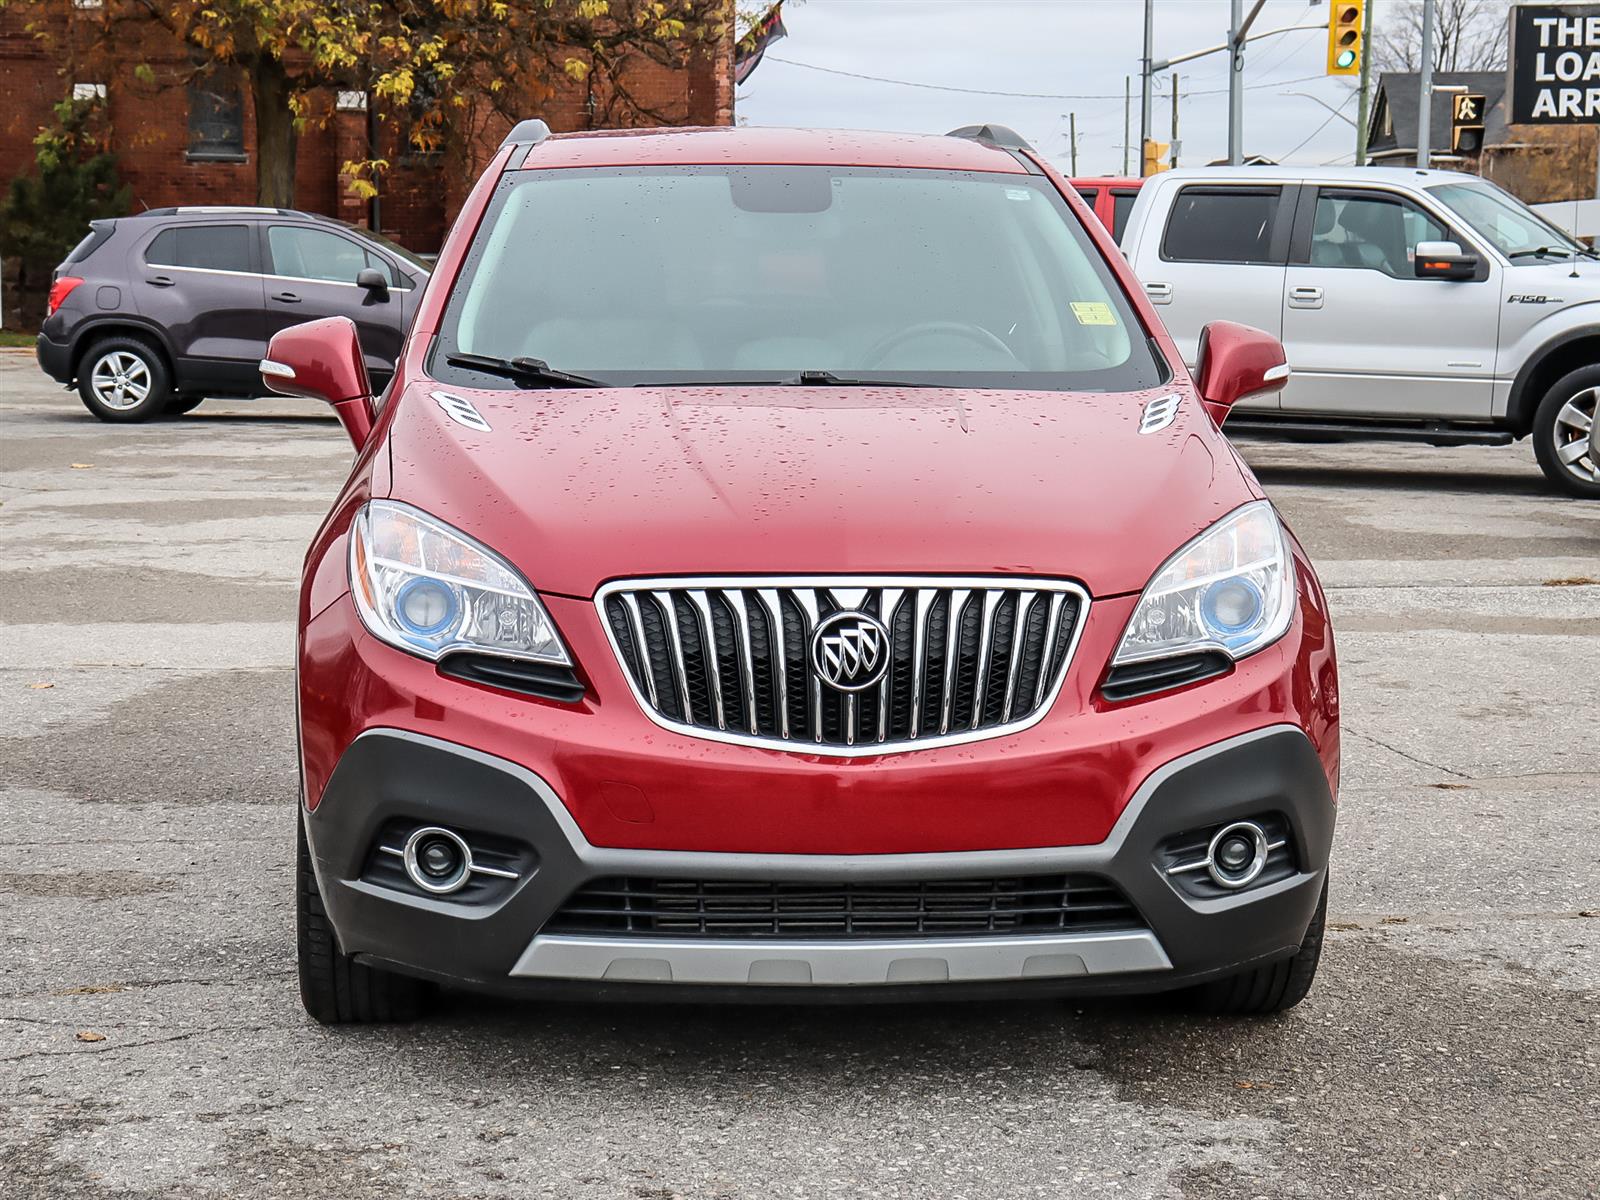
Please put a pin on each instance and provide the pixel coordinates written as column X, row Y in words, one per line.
column 152, row 1044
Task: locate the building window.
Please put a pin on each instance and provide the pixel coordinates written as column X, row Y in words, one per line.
column 216, row 121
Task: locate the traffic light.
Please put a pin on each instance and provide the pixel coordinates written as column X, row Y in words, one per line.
column 1156, row 157
column 1466, row 123
column 1347, row 31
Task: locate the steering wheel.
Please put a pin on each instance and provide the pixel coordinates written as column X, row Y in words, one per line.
column 880, row 349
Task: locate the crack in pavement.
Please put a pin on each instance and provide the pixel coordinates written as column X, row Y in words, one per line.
column 109, row 1047
column 1347, row 730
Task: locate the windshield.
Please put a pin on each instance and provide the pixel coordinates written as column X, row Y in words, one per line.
column 686, row 275
column 1515, row 229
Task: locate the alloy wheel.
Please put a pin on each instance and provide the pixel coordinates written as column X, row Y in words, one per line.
column 121, row 380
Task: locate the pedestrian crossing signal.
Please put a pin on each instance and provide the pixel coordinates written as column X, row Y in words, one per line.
column 1347, row 31
column 1466, row 123
column 1155, row 157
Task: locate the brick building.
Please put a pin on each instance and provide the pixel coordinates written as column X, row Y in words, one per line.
column 194, row 143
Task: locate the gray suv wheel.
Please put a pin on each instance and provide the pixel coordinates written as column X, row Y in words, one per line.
column 124, row 379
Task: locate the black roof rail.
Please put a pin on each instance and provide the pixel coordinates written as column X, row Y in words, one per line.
column 527, row 133
column 1000, row 136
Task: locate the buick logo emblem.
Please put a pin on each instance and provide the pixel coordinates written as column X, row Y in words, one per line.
column 850, row 651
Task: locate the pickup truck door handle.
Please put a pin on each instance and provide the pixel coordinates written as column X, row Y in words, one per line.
column 161, row 281
column 1159, row 293
column 286, row 297
column 1305, row 297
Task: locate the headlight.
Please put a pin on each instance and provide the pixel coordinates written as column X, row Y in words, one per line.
column 429, row 589
column 1230, row 589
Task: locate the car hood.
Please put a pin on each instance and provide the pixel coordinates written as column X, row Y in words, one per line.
column 578, row 487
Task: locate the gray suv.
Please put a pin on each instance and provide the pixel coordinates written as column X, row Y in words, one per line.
column 152, row 313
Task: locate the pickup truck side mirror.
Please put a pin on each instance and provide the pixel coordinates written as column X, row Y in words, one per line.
column 374, row 280
column 1236, row 361
column 1444, row 260
column 321, row 360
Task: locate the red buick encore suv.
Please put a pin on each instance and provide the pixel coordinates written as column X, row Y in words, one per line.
column 799, row 565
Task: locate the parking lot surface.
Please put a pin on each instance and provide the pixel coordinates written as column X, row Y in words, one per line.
column 152, row 1044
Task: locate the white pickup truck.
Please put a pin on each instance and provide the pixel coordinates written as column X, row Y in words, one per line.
column 1415, row 305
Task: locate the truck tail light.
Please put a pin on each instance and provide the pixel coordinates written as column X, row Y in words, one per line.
column 59, row 291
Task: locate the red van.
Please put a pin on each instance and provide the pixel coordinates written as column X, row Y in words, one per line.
column 1111, row 197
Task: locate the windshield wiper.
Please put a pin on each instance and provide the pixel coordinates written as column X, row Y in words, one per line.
column 829, row 379
column 1551, row 251
column 534, row 372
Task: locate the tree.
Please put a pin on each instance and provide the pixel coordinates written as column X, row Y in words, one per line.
column 1468, row 35
column 433, row 63
column 45, row 215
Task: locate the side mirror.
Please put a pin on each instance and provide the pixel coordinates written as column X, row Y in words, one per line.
column 373, row 280
column 1236, row 361
column 321, row 360
column 1444, row 260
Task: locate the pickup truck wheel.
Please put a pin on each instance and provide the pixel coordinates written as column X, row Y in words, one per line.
column 1561, row 428
column 1274, row 988
column 124, row 379
column 334, row 988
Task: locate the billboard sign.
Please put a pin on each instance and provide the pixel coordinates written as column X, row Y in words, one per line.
column 1555, row 64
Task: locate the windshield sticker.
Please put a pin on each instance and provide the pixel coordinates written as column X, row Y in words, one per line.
column 1093, row 312
column 1018, row 194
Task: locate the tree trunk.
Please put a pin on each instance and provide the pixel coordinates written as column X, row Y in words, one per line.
column 275, row 134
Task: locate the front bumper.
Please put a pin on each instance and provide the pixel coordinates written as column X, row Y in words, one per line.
column 390, row 775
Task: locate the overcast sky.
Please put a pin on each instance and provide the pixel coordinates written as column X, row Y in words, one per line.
column 1077, row 48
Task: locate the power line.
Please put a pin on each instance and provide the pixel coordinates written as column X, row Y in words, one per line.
column 1325, row 122
column 942, row 87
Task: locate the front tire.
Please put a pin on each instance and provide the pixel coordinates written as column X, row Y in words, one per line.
column 335, row 989
column 1274, row 988
column 124, row 379
column 1561, row 427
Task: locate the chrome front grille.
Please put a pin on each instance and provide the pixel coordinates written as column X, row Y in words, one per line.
column 733, row 659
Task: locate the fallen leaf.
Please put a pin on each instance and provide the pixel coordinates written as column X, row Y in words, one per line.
column 1452, row 787
column 1571, row 581
column 1344, row 925
column 92, row 989
column 82, row 466
column 1589, row 912
column 89, row 1035
column 39, row 687
column 1394, row 920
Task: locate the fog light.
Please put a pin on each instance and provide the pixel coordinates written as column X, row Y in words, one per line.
column 1237, row 854
column 437, row 860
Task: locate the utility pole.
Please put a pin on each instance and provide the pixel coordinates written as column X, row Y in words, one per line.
column 1127, row 113
column 1173, row 136
column 1425, row 88
column 1236, row 84
column 1144, row 76
column 1366, row 78
column 1072, row 133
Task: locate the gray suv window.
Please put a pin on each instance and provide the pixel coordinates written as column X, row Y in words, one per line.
column 206, row 247
column 1223, row 225
column 306, row 253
